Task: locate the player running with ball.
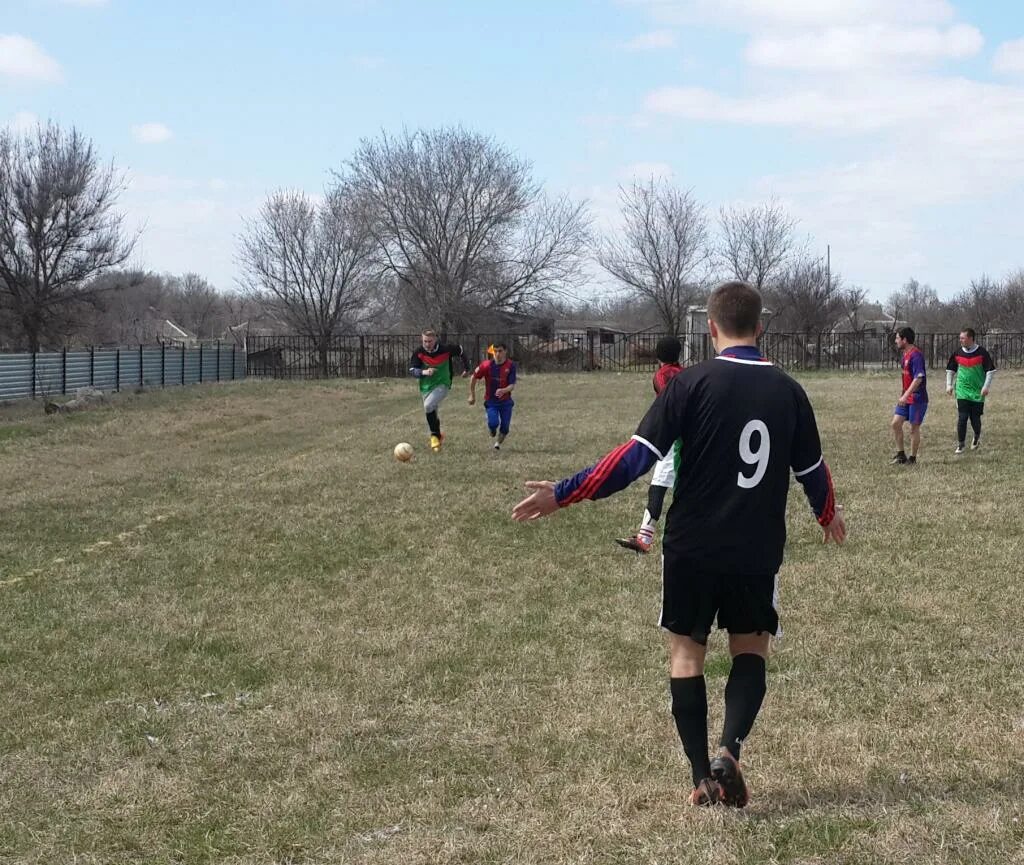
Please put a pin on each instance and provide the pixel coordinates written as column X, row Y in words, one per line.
column 744, row 425
column 432, row 365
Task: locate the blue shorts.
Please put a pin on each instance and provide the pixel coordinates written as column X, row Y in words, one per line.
column 499, row 415
column 914, row 413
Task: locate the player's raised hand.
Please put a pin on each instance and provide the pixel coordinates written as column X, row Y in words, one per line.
column 539, row 504
column 836, row 530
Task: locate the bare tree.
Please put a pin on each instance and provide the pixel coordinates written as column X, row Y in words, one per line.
column 458, row 220
column 978, row 304
column 756, row 244
column 851, row 304
column 127, row 309
column 807, row 298
column 196, row 305
column 1010, row 314
column 58, row 228
column 917, row 303
column 662, row 254
column 309, row 263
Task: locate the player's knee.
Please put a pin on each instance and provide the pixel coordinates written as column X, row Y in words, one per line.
column 749, row 644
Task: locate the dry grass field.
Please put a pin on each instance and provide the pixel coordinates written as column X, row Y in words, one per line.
column 234, row 630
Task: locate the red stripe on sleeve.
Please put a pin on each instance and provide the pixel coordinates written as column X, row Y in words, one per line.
column 829, row 511
column 598, row 475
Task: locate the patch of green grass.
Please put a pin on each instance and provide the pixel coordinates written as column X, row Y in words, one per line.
column 237, row 630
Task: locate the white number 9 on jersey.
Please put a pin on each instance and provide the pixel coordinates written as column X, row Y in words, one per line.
column 758, row 458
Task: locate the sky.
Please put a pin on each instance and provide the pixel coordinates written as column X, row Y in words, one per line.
column 892, row 131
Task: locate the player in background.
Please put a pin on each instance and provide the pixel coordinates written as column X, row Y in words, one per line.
column 744, row 426
column 972, row 368
column 913, row 402
column 431, row 363
column 499, row 375
column 667, row 352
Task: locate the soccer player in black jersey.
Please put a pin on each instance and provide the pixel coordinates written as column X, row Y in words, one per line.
column 744, row 425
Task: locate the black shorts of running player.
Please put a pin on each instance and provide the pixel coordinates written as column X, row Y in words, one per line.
column 693, row 597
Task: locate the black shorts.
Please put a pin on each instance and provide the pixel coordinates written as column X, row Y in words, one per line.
column 970, row 408
column 692, row 599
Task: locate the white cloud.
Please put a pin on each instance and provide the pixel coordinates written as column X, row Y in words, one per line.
column 151, row 133
column 652, row 41
column 22, row 58
column 1009, row 57
column 23, row 122
column 929, row 144
column 852, row 105
column 750, row 15
column 876, row 46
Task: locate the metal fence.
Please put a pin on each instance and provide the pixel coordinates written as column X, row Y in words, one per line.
column 47, row 374
column 382, row 356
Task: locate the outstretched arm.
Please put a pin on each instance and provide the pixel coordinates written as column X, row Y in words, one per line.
column 613, row 472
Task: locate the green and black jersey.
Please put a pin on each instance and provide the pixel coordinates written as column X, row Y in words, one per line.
column 440, row 360
column 970, row 368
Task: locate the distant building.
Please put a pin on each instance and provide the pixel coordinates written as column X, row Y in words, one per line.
column 168, row 333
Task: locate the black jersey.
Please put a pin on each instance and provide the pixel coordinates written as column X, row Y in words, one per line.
column 744, row 424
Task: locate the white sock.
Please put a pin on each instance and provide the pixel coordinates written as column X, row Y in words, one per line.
column 648, row 528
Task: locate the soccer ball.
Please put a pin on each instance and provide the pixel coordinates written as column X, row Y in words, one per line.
column 403, row 452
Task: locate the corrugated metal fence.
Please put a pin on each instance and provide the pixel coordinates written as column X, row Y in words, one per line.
column 48, row 374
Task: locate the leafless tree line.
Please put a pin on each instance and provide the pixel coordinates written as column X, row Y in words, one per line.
column 442, row 227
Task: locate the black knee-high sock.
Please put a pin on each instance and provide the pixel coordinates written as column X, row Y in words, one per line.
column 744, row 693
column 655, row 500
column 690, row 709
column 434, row 422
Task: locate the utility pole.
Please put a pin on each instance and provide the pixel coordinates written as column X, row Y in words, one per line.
column 828, row 266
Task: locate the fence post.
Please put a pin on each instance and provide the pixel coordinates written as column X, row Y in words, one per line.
column 117, row 370
column 32, row 384
column 183, row 364
column 92, row 366
column 64, row 371
column 817, row 352
column 362, row 356
column 233, row 347
column 163, row 364
column 200, row 363
column 218, row 360
column 142, row 363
